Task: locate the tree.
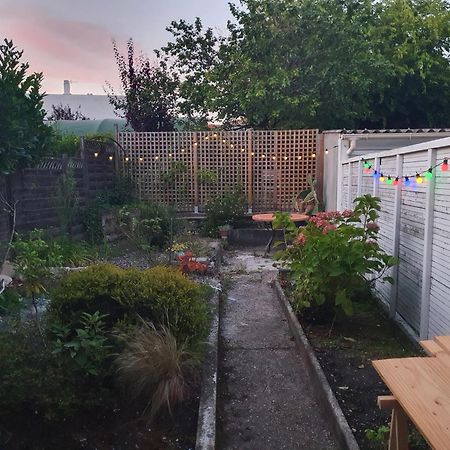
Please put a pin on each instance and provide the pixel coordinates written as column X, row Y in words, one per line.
column 149, row 100
column 23, row 134
column 60, row 112
column 319, row 63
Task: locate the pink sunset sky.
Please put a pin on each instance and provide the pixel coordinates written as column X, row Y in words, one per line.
column 72, row 39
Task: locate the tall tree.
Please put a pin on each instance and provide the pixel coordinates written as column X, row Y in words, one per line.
column 23, row 134
column 149, row 100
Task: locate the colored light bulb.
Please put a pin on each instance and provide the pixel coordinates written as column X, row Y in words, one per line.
column 407, row 181
column 444, row 166
column 389, row 180
column 419, row 179
column 429, row 174
column 382, row 178
column 366, row 165
column 367, row 168
column 396, row 182
column 376, row 174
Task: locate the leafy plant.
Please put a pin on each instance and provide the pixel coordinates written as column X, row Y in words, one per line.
column 378, row 437
column 189, row 264
column 174, row 173
column 206, row 176
column 336, row 256
column 87, row 347
column 153, row 365
column 224, row 210
column 10, row 302
column 23, row 134
column 147, row 224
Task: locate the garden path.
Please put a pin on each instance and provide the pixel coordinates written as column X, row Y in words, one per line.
column 265, row 398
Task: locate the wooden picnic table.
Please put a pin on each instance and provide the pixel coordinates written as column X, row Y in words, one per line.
column 268, row 219
column 420, row 388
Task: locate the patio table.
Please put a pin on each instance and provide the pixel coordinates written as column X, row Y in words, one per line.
column 268, row 219
column 420, row 388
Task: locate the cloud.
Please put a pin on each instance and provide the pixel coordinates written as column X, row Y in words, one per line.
column 61, row 48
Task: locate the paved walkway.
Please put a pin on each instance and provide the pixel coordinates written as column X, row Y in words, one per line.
column 265, row 400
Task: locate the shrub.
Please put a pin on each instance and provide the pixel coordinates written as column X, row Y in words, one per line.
column 225, row 210
column 147, row 224
column 153, row 365
column 161, row 294
column 336, row 256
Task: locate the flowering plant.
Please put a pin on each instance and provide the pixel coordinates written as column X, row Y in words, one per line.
column 335, row 256
column 188, row 264
column 178, row 247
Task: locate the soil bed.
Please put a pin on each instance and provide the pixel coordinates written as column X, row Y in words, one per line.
column 345, row 356
column 119, row 428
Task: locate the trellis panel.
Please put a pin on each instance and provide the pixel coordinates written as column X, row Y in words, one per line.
column 271, row 167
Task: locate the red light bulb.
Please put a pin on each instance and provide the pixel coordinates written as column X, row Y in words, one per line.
column 444, row 166
column 396, row 182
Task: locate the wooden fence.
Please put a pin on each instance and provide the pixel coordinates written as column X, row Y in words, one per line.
column 186, row 169
column 414, row 226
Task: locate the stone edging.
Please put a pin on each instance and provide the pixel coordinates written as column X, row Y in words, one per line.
column 330, row 406
column 206, row 423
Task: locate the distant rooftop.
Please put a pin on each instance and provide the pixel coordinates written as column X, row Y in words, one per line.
column 391, row 131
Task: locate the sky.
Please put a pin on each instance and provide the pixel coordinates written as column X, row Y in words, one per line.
column 71, row 39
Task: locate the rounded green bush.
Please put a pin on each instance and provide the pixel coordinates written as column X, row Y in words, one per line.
column 161, row 294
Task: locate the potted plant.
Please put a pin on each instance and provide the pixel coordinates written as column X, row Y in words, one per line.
column 224, row 231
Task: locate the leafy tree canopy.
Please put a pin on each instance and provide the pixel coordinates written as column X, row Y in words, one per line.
column 318, row 63
column 64, row 112
column 23, row 134
column 149, row 99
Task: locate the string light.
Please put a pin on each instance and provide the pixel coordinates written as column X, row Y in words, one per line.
column 127, row 159
column 110, row 158
column 396, row 181
column 407, row 181
column 444, row 166
column 389, row 180
column 367, row 168
column 419, row 179
column 376, row 174
column 429, row 174
column 95, row 155
column 382, row 178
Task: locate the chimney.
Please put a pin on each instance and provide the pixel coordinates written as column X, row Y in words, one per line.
column 66, row 87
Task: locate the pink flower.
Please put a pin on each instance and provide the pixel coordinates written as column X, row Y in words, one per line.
column 347, row 213
column 301, row 239
column 373, row 226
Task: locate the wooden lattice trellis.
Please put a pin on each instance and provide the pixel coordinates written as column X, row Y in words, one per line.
column 186, row 169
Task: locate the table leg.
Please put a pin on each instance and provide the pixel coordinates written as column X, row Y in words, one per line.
column 269, row 244
column 398, row 438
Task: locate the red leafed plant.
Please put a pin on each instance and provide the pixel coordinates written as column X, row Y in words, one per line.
column 188, row 264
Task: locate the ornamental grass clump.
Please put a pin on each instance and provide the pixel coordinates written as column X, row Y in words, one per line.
column 153, row 365
column 336, row 257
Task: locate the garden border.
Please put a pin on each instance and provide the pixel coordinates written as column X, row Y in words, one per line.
column 206, row 424
column 328, row 402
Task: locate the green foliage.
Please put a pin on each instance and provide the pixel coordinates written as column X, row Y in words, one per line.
column 206, row 176
column 336, row 256
column 23, row 134
column 66, row 200
column 33, row 260
column 63, row 144
column 161, row 294
column 10, row 302
column 34, row 381
column 149, row 92
column 292, row 64
column 147, row 224
column 224, row 210
column 87, row 348
column 378, row 437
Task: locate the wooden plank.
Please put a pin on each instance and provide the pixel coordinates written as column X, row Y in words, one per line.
column 431, row 347
column 422, row 388
column 444, row 342
column 398, row 438
column 387, row 402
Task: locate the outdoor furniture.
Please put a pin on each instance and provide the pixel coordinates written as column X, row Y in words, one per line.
column 267, row 220
column 420, row 388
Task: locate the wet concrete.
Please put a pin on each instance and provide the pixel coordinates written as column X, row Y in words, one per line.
column 265, row 397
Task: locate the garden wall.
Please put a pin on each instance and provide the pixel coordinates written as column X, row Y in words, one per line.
column 35, row 190
column 185, row 169
column 414, row 226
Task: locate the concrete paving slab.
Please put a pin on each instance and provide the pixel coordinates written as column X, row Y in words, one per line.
column 265, row 398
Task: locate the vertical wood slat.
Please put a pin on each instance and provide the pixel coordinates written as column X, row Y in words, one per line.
column 427, row 250
column 250, row 171
column 195, row 171
column 396, row 237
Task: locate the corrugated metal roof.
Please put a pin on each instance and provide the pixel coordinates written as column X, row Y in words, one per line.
column 391, row 131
